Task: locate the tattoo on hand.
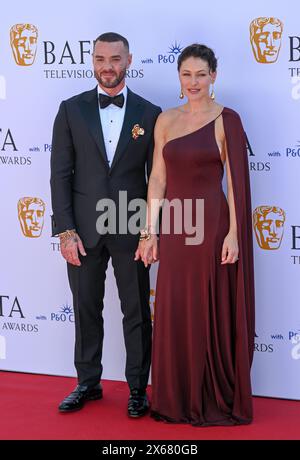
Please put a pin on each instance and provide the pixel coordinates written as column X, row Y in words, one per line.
column 72, row 238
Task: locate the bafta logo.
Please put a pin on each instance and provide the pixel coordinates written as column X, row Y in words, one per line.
column 23, row 42
column 268, row 223
column 265, row 37
column 31, row 216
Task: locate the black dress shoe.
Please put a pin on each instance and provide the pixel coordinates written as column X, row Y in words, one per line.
column 138, row 404
column 79, row 396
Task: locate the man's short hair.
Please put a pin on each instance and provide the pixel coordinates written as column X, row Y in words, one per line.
column 111, row 37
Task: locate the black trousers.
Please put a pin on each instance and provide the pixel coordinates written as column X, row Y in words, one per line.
column 87, row 285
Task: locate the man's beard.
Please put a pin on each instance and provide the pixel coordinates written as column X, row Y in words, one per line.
column 112, row 83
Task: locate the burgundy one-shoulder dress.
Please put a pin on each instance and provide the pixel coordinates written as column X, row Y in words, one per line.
column 204, row 311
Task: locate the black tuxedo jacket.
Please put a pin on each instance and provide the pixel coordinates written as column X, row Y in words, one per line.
column 80, row 172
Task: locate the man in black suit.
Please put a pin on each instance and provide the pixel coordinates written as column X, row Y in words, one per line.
column 97, row 151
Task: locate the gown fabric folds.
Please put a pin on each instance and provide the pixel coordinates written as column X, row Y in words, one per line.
column 203, row 338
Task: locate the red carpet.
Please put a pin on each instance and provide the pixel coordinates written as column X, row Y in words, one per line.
column 28, row 405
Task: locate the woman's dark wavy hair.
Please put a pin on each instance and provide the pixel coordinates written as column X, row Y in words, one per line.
column 198, row 51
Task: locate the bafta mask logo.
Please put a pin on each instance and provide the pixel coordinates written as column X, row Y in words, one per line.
column 268, row 223
column 265, row 37
column 23, row 42
column 31, row 216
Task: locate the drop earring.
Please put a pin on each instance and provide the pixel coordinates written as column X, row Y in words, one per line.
column 181, row 95
column 212, row 94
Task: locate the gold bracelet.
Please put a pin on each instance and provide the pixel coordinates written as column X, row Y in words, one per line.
column 66, row 235
column 145, row 234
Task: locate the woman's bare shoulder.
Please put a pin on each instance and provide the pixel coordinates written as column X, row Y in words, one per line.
column 168, row 116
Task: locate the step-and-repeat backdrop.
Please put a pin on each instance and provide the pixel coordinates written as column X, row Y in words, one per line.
column 45, row 57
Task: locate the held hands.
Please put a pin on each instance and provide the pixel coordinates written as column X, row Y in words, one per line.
column 70, row 244
column 230, row 249
column 147, row 251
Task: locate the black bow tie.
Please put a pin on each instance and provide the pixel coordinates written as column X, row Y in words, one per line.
column 105, row 100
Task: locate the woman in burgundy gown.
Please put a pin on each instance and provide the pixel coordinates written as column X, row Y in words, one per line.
column 204, row 309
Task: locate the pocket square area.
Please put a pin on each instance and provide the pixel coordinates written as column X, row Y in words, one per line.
column 137, row 131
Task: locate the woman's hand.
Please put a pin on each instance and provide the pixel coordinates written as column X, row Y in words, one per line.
column 147, row 251
column 230, row 249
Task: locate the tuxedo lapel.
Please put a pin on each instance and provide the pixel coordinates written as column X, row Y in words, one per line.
column 89, row 107
column 133, row 112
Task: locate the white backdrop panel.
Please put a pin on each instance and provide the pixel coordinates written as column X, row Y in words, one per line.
column 36, row 315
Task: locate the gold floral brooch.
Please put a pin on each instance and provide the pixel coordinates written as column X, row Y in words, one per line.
column 137, row 131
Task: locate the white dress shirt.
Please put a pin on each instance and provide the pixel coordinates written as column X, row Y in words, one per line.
column 112, row 118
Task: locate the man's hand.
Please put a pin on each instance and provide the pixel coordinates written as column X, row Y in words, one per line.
column 69, row 247
column 147, row 251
